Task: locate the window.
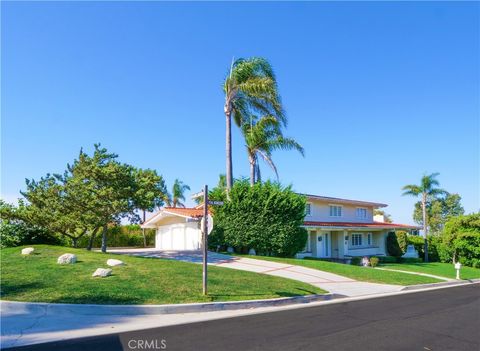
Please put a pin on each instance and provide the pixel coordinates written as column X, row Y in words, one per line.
column 308, row 209
column 335, row 211
column 356, row 239
column 361, row 212
column 369, row 239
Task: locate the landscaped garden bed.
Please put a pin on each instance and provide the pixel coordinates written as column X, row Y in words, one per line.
column 37, row 277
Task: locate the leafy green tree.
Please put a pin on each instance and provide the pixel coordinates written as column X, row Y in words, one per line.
column 49, row 205
column 266, row 217
column 105, row 187
column 262, row 137
column 460, row 240
column 250, row 88
column 427, row 190
column 178, row 194
column 150, row 193
column 439, row 211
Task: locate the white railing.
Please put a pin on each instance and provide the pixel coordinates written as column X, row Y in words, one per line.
column 365, row 251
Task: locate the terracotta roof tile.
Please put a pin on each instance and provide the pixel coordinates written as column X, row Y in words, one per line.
column 187, row 212
column 359, row 225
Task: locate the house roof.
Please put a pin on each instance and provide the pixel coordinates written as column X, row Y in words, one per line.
column 187, row 213
column 344, row 201
column 372, row 225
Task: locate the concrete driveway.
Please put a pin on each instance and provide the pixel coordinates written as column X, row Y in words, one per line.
column 327, row 281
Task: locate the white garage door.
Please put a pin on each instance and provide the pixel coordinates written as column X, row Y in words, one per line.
column 177, row 237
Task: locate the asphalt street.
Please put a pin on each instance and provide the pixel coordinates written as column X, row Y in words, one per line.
column 445, row 319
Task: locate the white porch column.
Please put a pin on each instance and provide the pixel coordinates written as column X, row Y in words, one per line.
column 345, row 243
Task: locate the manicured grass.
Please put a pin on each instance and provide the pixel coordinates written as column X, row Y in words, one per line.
column 365, row 274
column 446, row 270
column 39, row 278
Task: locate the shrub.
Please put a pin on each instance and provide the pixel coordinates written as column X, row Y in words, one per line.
column 266, row 217
column 374, row 261
column 467, row 247
column 411, row 260
column 388, row 259
column 122, row 236
column 402, row 240
column 418, row 243
column 392, row 245
column 16, row 233
column 460, row 240
column 356, row 261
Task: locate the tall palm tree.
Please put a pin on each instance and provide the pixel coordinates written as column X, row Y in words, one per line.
column 250, row 87
column 428, row 190
column 262, row 137
column 178, row 194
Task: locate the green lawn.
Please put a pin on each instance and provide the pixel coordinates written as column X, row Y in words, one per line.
column 39, row 278
column 365, row 274
column 436, row 268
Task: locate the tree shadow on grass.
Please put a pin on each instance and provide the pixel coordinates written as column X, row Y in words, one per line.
column 7, row 289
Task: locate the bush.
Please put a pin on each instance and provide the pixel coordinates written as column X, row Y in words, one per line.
column 388, row 259
column 393, row 248
column 16, row 233
column 460, row 240
column 467, row 247
column 374, row 261
column 356, row 261
column 411, row 260
column 121, row 236
column 266, row 217
column 402, row 240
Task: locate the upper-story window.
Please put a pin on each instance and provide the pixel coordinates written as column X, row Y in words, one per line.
column 308, row 209
column 361, row 212
column 335, row 211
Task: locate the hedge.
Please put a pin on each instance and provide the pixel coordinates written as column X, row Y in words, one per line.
column 265, row 217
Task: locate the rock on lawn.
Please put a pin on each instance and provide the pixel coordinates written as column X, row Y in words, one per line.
column 67, row 259
column 102, row 272
column 27, row 250
column 113, row 262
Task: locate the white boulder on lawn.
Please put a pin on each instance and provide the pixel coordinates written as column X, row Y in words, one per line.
column 27, row 250
column 102, row 272
column 67, row 258
column 112, row 262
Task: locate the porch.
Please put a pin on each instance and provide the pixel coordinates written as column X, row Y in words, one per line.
column 343, row 244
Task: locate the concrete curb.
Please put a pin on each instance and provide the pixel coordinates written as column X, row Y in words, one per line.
column 433, row 285
column 138, row 310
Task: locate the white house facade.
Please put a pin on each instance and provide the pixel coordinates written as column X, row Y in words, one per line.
column 342, row 228
column 176, row 228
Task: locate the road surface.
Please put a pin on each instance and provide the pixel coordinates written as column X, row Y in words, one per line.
column 445, row 319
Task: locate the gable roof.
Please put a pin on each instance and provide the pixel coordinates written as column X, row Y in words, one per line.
column 343, row 201
column 184, row 212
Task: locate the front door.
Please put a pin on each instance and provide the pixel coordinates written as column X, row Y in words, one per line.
column 323, row 245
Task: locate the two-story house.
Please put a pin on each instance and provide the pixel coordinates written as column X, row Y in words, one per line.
column 341, row 228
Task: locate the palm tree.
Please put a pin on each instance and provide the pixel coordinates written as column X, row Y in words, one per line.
column 250, row 87
column 178, row 194
column 428, row 189
column 262, row 136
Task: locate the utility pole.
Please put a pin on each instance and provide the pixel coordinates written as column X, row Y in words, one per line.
column 205, row 238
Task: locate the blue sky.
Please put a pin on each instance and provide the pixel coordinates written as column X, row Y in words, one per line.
column 378, row 93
